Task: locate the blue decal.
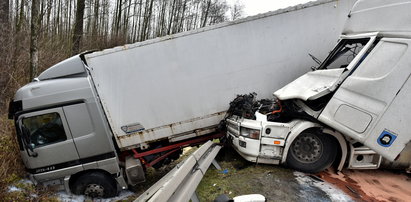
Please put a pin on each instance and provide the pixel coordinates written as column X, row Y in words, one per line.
column 386, row 138
column 132, row 128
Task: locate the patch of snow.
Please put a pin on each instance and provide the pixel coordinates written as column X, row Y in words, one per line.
column 13, row 188
column 334, row 193
column 64, row 197
column 23, row 181
column 26, row 181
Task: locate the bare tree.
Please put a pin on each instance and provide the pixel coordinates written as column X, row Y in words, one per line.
column 4, row 27
column 237, row 10
column 205, row 13
column 104, row 23
column 117, row 17
column 95, row 19
column 146, row 21
column 4, row 22
column 34, row 34
column 78, row 27
column 4, row 13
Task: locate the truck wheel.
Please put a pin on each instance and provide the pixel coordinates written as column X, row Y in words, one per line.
column 312, row 152
column 95, row 185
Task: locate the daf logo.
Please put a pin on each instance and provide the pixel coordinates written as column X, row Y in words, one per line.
column 385, row 140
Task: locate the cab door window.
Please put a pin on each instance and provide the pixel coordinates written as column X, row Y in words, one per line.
column 45, row 129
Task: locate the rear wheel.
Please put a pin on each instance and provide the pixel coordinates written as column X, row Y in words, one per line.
column 312, row 152
column 95, row 185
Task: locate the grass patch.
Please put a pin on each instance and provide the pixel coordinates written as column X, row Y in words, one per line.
column 12, row 169
column 242, row 178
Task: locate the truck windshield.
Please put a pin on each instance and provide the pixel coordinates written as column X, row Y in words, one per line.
column 344, row 53
column 45, row 129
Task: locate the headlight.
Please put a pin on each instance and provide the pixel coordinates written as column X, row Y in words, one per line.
column 250, row 133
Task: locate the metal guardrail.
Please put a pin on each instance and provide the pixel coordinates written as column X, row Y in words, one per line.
column 180, row 183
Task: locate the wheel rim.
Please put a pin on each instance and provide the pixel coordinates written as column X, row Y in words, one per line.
column 94, row 190
column 307, row 148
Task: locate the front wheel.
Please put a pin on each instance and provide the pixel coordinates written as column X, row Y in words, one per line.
column 312, row 152
column 95, row 185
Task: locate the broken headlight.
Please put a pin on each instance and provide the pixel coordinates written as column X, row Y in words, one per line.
column 250, row 133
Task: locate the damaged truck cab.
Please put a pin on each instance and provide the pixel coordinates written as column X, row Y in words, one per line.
column 352, row 107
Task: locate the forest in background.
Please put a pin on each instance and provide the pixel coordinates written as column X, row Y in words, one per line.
column 35, row 34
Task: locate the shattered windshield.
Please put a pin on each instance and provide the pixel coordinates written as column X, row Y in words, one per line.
column 344, row 53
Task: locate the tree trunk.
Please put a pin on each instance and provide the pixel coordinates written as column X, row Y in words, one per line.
column 4, row 36
column 78, row 27
column 118, row 17
column 34, row 29
column 18, row 36
column 4, row 21
column 147, row 17
column 95, row 20
column 137, row 35
column 180, row 29
column 206, row 14
column 170, row 22
column 69, row 20
column 49, row 6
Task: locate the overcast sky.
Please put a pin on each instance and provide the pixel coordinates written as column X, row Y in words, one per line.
column 253, row 7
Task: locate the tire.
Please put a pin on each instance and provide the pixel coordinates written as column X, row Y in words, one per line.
column 95, row 185
column 312, row 152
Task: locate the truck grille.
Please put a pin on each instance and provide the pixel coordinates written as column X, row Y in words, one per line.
column 233, row 127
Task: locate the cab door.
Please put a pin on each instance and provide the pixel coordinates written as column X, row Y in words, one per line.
column 370, row 104
column 48, row 143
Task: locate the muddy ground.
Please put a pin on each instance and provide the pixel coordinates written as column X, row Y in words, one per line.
column 278, row 183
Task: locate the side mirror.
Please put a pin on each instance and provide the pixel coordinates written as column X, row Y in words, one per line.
column 313, row 68
column 30, row 147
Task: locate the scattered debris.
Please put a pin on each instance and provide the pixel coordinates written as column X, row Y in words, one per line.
column 316, row 178
column 246, row 105
column 353, row 191
column 225, row 171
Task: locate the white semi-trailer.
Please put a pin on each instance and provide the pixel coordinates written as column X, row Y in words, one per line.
column 353, row 106
column 91, row 124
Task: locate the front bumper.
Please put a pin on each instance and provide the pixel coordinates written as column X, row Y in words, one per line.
column 246, row 147
column 267, row 149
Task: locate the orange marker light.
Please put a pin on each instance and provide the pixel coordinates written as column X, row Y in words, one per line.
column 277, row 142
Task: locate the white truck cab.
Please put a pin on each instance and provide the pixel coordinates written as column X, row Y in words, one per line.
column 352, row 107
